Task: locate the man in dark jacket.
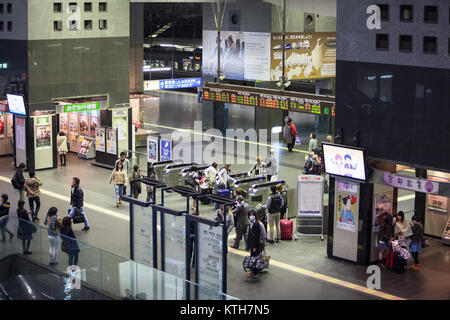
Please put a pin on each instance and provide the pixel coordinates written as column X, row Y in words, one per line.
column 18, row 182
column 77, row 202
column 242, row 222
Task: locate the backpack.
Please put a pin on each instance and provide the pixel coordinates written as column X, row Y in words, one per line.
column 276, row 204
column 284, row 195
column 191, row 181
column 14, row 182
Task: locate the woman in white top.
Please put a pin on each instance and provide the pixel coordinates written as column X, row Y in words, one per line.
column 401, row 226
column 61, row 144
column 223, row 177
column 211, row 173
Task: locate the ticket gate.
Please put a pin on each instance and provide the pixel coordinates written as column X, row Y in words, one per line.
column 258, row 193
column 160, row 167
column 246, row 183
column 173, row 175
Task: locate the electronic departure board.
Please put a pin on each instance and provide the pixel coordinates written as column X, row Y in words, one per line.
column 257, row 99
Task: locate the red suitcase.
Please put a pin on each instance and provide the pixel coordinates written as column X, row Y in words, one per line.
column 287, row 229
column 390, row 255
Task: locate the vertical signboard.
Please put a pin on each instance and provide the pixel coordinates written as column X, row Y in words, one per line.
column 43, row 142
column 111, row 141
column 165, row 149
column 345, row 236
column 21, row 153
column 120, row 122
column 100, row 139
column 310, row 195
column 152, row 149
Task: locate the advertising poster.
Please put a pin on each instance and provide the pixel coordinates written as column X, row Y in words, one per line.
column 243, row 55
column 210, row 256
column 73, row 126
column 93, row 125
column 308, row 55
column 2, row 126
column 84, row 126
column 20, row 133
column 383, row 203
column 43, row 133
column 111, row 141
column 9, row 125
column 310, row 195
column 347, row 209
column 120, row 121
column 100, row 139
column 165, row 150
column 344, row 162
column 434, row 202
column 152, row 149
column 64, row 123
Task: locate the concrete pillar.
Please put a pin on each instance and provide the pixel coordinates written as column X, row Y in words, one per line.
column 136, row 47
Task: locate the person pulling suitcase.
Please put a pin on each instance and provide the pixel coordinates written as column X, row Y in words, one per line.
column 77, row 202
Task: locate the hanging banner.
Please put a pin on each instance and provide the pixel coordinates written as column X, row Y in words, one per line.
column 152, row 149
column 308, row 55
column 43, row 132
column 346, row 208
column 165, row 149
column 410, row 183
column 111, row 141
column 100, row 139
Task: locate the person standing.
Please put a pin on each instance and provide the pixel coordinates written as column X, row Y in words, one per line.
column 284, row 194
column 257, row 167
column 69, row 243
column 225, row 216
column 126, row 167
column 136, row 186
column 254, row 239
column 151, row 174
column 274, row 205
column 54, row 225
column 26, row 228
column 119, row 177
column 4, row 216
column 287, row 133
column 32, row 185
column 77, row 202
column 211, row 173
column 271, row 165
column 18, row 182
column 401, row 226
column 293, row 133
column 312, row 142
column 223, row 177
column 241, row 213
column 61, row 144
column 416, row 242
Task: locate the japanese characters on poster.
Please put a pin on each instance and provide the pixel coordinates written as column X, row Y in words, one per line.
column 165, row 150
column 43, row 133
column 100, row 139
column 64, row 123
column 20, row 133
column 152, row 149
column 73, row 126
column 435, row 202
column 383, row 203
column 347, row 206
column 410, row 183
column 111, row 141
column 120, row 121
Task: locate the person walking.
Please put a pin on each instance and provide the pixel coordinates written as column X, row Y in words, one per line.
column 119, row 177
column 126, row 167
column 312, row 142
column 284, row 194
column 271, row 165
column 61, row 144
column 18, row 182
column 54, row 225
column 4, row 216
column 274, row 204
column 416, row 242
column 257, row 168
column 77, row 202
column 254, row 239
column 32, row 185
column 26, row 227
column 225, row 216
column 151, row 174
column 69, row 243
column 136, row 186
column 241, row 213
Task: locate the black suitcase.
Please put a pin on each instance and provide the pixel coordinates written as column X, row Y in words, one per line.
column 78, row 217
column 399, row 263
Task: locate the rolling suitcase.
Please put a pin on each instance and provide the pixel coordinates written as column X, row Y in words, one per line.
column 287, row 229
column 399, row 263
column 390, row 254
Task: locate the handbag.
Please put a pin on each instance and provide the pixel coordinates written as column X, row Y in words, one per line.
column 65, row 246
column 78, row 217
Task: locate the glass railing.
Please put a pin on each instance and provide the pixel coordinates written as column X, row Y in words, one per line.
column 109, row 273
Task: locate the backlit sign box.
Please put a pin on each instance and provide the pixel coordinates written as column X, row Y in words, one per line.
column 344, row 161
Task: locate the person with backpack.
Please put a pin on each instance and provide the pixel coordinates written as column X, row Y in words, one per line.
column 18, row 182
column 241, row 214
column 136, row 186
column 69, row 243
column 309, row 164
column 54, row 225
column 284, row 194
column 416, row 242
column 4, row 216
column 26, row 228
column 32, row 185
column 274, row 204
column 77, row 202
column 254, row 239
column 271, row 165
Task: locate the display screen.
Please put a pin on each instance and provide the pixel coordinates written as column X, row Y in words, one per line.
column 344, row 162
column 269, row 101
column 16, row 104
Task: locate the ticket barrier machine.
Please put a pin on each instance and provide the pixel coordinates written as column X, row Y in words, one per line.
column 160, row 167
column 258, row 193
column 173, row 174
column 246, row 183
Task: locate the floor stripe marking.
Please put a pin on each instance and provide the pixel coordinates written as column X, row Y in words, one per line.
column 235, row 251
column 323, row 277
column 225, row 138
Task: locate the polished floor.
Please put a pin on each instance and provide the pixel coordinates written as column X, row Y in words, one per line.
column 289, row 277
